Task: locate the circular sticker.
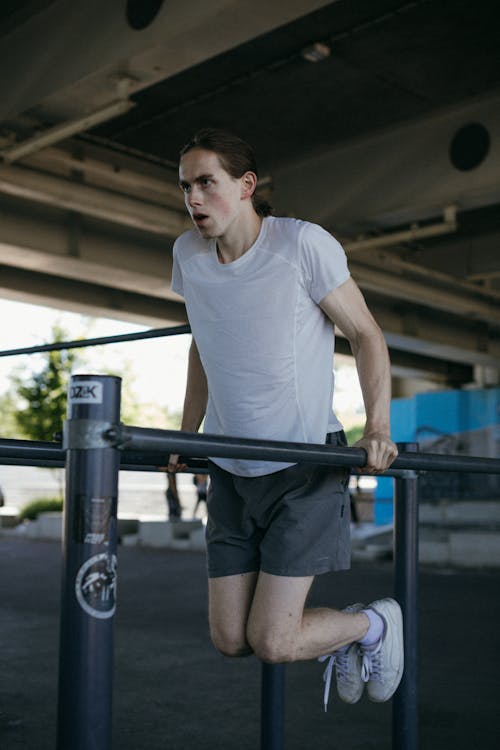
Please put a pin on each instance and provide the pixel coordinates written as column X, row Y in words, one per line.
column 95, row 585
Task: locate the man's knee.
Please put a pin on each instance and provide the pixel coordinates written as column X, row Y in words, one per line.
column 230, row 644
column 273, row 648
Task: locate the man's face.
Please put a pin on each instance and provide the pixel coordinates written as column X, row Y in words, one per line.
column 212, row 196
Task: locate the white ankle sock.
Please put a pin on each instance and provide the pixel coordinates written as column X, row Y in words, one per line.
column 376, row 629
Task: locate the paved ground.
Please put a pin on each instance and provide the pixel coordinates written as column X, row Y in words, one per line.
column 173, row 691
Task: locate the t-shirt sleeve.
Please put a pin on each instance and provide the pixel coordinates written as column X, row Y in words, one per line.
column 323, row 261
column 176, row 285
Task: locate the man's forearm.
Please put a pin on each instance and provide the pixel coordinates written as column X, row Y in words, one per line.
column 193, row 413
column 374, row 371
column 195, row 402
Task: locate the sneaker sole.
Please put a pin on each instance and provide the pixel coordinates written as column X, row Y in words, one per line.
column 390, row 611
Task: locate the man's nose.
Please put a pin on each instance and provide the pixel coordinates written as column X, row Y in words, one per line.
column 195, row 196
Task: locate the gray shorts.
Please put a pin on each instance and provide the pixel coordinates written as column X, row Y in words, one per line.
column 294, row 522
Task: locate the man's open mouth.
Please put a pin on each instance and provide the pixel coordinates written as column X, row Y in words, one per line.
column 199, row 218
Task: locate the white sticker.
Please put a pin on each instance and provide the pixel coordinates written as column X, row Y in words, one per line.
column 95, row 586
column 87, row 392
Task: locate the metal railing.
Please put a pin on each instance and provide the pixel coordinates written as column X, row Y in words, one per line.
column 119, row 338
column 96, row 445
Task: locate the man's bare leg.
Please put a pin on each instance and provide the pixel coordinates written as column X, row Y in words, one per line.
column 279, row 629
column 229, row 602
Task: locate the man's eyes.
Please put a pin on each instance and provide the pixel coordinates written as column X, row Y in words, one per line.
column 204, row 182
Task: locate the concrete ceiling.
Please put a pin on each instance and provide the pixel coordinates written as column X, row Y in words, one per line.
column 391, row 141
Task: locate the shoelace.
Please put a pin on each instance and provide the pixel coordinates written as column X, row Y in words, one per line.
column 370, row 663
column 338, row 658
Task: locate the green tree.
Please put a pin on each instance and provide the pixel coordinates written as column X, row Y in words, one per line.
column 8, row 408
column 43, row 396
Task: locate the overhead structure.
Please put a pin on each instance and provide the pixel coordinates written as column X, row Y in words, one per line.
column 378, row 120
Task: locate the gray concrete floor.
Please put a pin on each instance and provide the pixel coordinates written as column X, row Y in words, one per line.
column 172, row 690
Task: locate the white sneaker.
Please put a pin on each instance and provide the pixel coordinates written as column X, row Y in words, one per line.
column 382, row 664
column 347, row 663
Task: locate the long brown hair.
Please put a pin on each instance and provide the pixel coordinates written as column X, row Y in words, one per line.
column 235, row 155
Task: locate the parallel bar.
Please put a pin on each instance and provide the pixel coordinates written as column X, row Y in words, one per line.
column 46, row 454
column 199, row 446
column 152, row 333
column 405, row 701
column 39, row 463
column 89, row 547
column 272, row 701
column 149, row 448
column 31, row 450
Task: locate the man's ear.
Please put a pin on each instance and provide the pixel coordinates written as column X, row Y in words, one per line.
column 248, row 184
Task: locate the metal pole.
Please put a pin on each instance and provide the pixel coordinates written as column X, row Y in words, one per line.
column 405, row 702
column 272, row 716
column 89, row 565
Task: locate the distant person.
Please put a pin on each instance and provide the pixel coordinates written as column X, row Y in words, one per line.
column 173, row 502
column 201, row 483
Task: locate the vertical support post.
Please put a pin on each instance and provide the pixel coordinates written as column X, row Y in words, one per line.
column 89, row 565
column 405, row 702
column 272, row 717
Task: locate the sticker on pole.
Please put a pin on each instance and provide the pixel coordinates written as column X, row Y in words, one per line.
column 86, row 392
column 94, row 519
column 95, row 586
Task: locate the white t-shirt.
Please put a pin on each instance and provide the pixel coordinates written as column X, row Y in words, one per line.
column 265, row 345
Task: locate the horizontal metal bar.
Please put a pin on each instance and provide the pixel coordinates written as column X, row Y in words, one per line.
column 52, row 455
column 441, row 462
column 145, row 449
column 32, row 450
column 152, row 333
column 40, row 463
column 201, row 446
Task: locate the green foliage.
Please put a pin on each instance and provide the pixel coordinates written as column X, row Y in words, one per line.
column 41, row 505
column 355, row 433
column 44, row 394
column 8, row 423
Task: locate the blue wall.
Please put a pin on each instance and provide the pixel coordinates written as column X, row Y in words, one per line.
column 428, row 418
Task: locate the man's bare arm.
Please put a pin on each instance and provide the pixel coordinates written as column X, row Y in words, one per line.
column 347, row 309
column 195, row 400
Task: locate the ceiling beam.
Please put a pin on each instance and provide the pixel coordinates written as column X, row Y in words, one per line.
column 70, row 195
column 88, row 299
column 432, row 295
column 415, row 365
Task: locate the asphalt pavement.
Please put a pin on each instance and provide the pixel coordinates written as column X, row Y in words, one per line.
column 173, row 691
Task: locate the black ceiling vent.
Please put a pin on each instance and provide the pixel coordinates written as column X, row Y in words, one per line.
column 142, row 13
column 470, row 146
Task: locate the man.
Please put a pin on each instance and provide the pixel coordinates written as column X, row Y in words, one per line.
column 263, row 295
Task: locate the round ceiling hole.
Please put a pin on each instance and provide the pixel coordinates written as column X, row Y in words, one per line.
column 142, row 13
column 470, row 146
